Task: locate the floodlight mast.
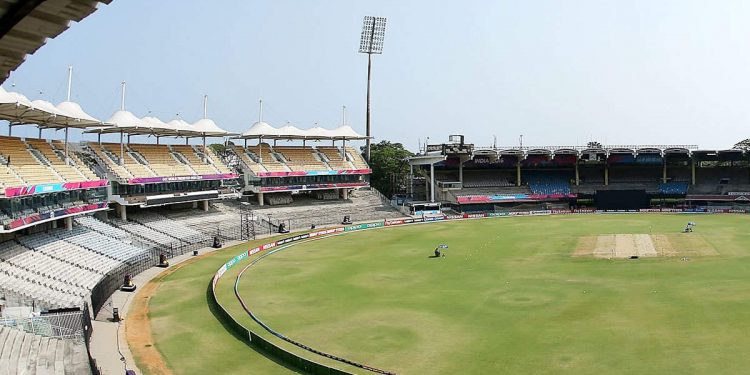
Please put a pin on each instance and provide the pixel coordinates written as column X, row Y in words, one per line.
column 371, row 42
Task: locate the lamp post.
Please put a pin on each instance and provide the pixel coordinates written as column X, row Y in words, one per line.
column 371, row 42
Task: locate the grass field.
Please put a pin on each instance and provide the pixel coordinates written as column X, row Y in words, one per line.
column 509, row 297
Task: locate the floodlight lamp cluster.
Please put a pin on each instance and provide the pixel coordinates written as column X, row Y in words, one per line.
column 373, row 34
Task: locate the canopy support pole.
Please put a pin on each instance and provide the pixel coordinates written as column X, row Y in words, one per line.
column 40, row 133
column 692, row 171
column 10, row 129
column 122, row 151
column 187, row 141
column 205, row 160
column 99, row 138
column 260, row 147
column 303, row 143
column 157, row 139
column 245, row 142
column 67, row 160
column 129, row 138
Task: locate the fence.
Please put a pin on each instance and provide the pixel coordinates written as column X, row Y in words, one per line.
column 74, row 325
column 113, row 280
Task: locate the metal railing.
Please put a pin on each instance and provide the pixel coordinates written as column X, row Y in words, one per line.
column 67, row 325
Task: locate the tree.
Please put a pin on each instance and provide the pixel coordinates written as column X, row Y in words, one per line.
column 389, row 166
column 218, row 148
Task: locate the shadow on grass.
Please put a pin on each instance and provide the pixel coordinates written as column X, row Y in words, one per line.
column 239, row 332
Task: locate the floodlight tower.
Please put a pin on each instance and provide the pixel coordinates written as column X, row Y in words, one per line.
column 371, row 42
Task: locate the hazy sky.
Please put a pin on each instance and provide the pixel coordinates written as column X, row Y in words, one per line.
column 558, row 72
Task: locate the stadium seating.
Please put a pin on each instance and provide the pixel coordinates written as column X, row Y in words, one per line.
column 145, row 233
column 27, row 353
column 297, row 158
column 38, row 282
column 55, row 157
column 110, row 160
column 161, row 224
column 100, row 243
column 133, row 167
column 362, row 205
column 269, row 160
column 146, row 160
column 160, row 160
column 75, row 161
column 301, row 158
column 356, row 158
column 548, row 183
column 673, row 188
column 8, row 177
column 335, row 160
column 69, row 253
column 40, row 263
column 249, row 159
column 24, row 164
column 195, row 162
column 649, row 159
column 221, row 216
column 478, row 180
column 103, row 228
column 507, row 190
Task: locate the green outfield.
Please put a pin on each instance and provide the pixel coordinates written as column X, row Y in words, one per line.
column 552, row 295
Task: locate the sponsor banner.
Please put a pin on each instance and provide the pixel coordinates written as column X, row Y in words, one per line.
column 33, row 218
column 739, row 193
column 314, row 173
column 235, row 260
column 541, row 212
column 312, row 186
column 660, row 210
column 363, row 226
column 399, row 221
column 511, row 198
column 498, row 214
column 393, row 222
column 220, row 273
column 151, row 180
column 268, row 246
column 474, row 216
column 79, row 209
column 52, row 188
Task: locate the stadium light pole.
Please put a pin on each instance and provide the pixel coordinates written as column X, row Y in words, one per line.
column 371, row 42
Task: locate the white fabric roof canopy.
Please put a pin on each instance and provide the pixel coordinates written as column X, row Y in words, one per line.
column 19, row 110
column 128, row 123
column 263, row 130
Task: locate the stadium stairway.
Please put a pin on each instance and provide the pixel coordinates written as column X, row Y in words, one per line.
column 26, row 353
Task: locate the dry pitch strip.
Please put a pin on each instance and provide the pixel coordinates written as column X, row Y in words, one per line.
column 612, row 246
